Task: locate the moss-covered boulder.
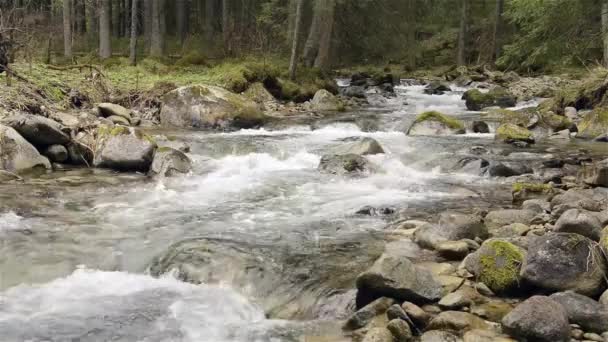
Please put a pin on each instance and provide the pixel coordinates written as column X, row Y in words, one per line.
column 259, row 94
column 510, row 133
column 435, row 123
column 525, row 191
column 118, row 148
column 497, row 264
column 477, row 100
column 326, row 101
column 594, row 124
column 17, row 155
column 203, row 106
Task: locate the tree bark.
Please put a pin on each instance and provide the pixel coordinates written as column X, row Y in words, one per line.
column 462, row 34
column 147, row 22
column 296, row 39
column 156, row 43
column 105, row 29
column 497, row 39
column 323, row 60
column 180, row 18
column 81, row 17
column 605, row 30
column 209, row 19
column 226, row 29
column 411, row 35
column 67, row 28
column 133, row 41
column 311, row 47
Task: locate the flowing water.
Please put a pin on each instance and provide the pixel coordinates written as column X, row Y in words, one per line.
column 76, row 246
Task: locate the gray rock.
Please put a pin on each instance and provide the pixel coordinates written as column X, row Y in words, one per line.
column 119, row 120
column 497, row 219
column 604, row 299
column 480, row 127
column 6, row 176
column 80, row 154
column 511, row 230
column 400, row 329
column 169, row 162
column 472, row 165
column 419, row 317
column 378, row 335
column 325, row 101
column 596, row 174
column 347, row 164
column 457, row 321
column 581, row 222
column 125, row 152
column 451, row 227
column 396, row 312
column 538, row 319
column 439, row 336
column 565, row 261
column 357, row 145
column 107, row 110
column 367, row 313
column 56, row 153
column 435, row 123
column 497, row 169
column 537, row 205
column 398, row 278
column 587, row 199
column 17, row 155
column 453, row 250
column 38, row 130
column 437, row 88
column 584, row 311
column 463, row 297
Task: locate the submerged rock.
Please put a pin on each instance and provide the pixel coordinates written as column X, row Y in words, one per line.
column 457, row 321
column 17, row 155
column 584, row 311
column 506, row 169
column 121, row 150
column 168, row 162
column 538, row 319
column 38, row 130
column 436, row 88
column 202, row 106
column 435, row 123
column 347, row 164
column 480, row 127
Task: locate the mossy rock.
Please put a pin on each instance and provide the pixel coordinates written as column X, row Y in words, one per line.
column 510, row 133
column 588, row 94
column 497, row 264
column 436, row 123
column 477, row 100
column 525, row 191
column 594, row 124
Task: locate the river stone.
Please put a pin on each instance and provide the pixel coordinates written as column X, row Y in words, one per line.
column 6, row 176
column 584, row 311
column 347, row 164
column 594, row 124
column 121, row 150
column 479, row 335
column 596, row 174
column 480, row 127
column 418, row 316
column 435, row 123
column 378, row 335
column 493, row 311
column 510, row 133
column 453, row 250
column 436, row 88
column 498, row 169
column 400, row 329
column 326, row 101
column 56, row 153
column 587, row 199
column 367, row 313
column 581, row 222
column 451, row 227
column 538, row 319
column 497, row 219
column 472, row 165
column 565, row 261
column 203, row 106
column 511, row 230
column 497, row 264
column 107, row 110
column 38, row 130
column 80, row 154
column 538, row 205
column 169, row 162
column 398, row 278
column 476, row 100
column 457, row 321
column 463, row 297
column 439, row 336
column 17, row 155
column 357, row 145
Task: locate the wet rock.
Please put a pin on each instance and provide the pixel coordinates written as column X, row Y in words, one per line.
column 67, row 120
column 565, row 261
column 169, row 162
column 497, row 219
column 120, row 150
column 439, row 336
column 587, row 199
column 419, row 317
column 584, row 311
column 493, row 311
column 396, row 312
column 466, row 296
column 354, row 91
column 371, row 211
column 522, row 191
column 108, row 110
column 581, row 222
column 436, row 88
column 510, row 133
column 367, row 313
column 6, row 176
column 472, row 165
column 56, row 153
column 202, row 106
column 538, row 319
column 326, row 101
column 457, row 321
column 476, row 100
column 358, row 145
column 480, row 127
column 378, row 335
column 596, row 174
column 485, row 336
column 398, row 278
column 346, row 164
column 400, row 330
column 38, row 130
column 17, row 155
column 498, row 169
column 451, row 227
column 604, row 299
column 497, row 264
column 453, row 250
column 435, row 123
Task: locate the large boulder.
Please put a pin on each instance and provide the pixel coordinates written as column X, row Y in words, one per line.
column 17, row 155
column 108, row 110
column 202, row 106
column 588, row 199
column 435, row 123
column 345, row 164
column 120, row 149
column 511, row 133
column 358, row 145
column 169, row 162
column 565, row 261
column 538, row 319
column 497, row 264
column 451, row 227
column 596, row 174
column 398, row 278
column 326, row 101
column 477, row 100
column 580, row 222
column 594, row 124
column 38, row 130
column 584, row 311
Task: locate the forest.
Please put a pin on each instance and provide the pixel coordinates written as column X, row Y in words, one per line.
column 304, row 170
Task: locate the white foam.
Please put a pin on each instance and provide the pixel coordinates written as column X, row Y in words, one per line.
column 11, row 221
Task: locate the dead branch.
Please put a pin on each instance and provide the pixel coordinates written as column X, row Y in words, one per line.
column 77, row 66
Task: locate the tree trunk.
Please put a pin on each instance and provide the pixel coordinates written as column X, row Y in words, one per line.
column 226, row 25
column 81, row 17
column 67, row 28
column 209, row 19
column 156, row 39
column 147, row 22
column 312, row 42
column 411, row 35
column 323, row 60
column 296, row 39
column 462, row 34
column 497, row 39
column 133, row 42
column 605, row 30
column 180, row 18
column 105, row 29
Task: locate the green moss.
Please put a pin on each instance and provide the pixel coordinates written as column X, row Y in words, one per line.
column 439, row 117
column 532, row 187
column 594, row 123
column 511, row 132
column 500, row 266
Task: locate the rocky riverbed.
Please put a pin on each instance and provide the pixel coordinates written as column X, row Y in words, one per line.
column 399, row 211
